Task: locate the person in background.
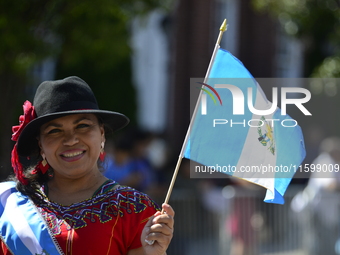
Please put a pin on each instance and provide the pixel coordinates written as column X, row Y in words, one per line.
column 127, row 162
column 320, row 200
column 59, row 202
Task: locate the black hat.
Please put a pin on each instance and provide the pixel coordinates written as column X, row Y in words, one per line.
column 54, row 99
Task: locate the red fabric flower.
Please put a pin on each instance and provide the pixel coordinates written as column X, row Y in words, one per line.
column 17, row 166
column 29, row 114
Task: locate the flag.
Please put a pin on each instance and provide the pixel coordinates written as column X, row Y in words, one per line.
column 23, row 229
column 263, row 149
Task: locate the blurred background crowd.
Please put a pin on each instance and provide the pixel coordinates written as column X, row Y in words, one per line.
column 139, row 55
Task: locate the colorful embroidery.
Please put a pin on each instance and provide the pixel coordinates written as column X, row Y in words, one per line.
column 103, row 207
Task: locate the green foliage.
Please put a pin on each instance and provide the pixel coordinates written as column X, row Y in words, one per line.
column 20, row 45
column 87, row 38
column 317, row 23
column 32, row 30
column 95, row 47
column 330, row 68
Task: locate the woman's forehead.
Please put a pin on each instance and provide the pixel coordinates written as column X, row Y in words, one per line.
column 71, row 119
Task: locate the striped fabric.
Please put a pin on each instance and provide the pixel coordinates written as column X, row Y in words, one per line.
column 22, row 227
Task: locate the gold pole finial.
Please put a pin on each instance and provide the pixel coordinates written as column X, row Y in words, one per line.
column 224, row 26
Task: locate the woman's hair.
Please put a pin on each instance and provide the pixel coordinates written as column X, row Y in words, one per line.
column 35, row 180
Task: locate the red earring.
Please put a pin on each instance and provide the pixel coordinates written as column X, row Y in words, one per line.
column 43, row 166
column 102, row 153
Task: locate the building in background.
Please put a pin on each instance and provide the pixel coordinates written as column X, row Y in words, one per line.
column 150, row 68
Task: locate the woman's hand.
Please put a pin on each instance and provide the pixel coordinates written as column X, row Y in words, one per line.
column 159, row 230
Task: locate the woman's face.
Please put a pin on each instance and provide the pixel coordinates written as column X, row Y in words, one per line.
column 72, row 144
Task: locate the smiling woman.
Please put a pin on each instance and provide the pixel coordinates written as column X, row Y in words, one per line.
column 59, row 201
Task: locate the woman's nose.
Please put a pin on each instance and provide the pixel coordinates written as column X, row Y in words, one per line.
column 70, row 138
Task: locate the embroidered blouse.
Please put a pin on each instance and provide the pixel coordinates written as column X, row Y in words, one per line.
column 109, row 223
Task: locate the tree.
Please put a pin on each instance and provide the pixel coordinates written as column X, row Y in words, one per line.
column 317, row 23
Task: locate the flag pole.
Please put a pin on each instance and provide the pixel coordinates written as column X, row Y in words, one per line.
column 223, row 28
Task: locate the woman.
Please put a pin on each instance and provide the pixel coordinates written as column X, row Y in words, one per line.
column 61, row 203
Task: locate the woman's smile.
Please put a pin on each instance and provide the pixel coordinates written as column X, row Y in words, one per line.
column 72, row 155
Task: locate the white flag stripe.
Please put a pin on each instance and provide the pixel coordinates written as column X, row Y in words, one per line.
column 20, row 225
column 254, row 154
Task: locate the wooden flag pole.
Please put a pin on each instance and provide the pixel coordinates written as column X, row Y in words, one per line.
column 223, row 28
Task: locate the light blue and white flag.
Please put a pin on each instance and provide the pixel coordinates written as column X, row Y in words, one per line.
column 265, row 149
column 23, row 229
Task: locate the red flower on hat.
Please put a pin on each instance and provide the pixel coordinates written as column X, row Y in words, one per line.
column 29, row 114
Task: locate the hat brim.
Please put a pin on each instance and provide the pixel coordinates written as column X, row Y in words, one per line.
column 27, row 144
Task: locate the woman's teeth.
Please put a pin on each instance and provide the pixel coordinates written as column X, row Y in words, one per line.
column 70, row 155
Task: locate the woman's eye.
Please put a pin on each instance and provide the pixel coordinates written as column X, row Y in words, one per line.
column 53, row 131
column 83, row 126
